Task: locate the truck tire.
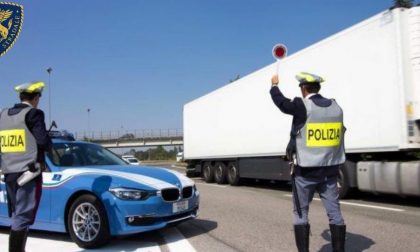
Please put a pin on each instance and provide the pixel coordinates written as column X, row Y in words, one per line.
column 220, row 173
column 233, row 174
column 190, row 173
column 208, row 172
column 343, row 183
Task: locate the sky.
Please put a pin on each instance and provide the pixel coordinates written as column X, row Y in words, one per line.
column 135, row 63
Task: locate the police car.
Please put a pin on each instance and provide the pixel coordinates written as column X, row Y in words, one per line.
column 92, row 194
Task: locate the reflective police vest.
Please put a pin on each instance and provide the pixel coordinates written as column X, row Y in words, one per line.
column 320, row 142
column 18, row 146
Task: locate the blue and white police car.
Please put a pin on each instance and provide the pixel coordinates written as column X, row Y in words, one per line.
column 92, row 194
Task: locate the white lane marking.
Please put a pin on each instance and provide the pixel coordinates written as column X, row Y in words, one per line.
column 55, row 243
column 175, row 241
column 128, row 246
column 214, row 185
column 178, row 167
column 361, row 205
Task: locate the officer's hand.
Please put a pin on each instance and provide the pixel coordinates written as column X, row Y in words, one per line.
column 43, row 167
column 32, row 167
column 275, row 80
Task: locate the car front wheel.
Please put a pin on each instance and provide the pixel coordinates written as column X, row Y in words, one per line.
column 87, row 222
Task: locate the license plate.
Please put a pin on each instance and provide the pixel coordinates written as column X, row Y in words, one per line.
column 180, row 206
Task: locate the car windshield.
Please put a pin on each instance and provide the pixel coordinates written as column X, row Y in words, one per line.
column 132, row 160
column 82, row 154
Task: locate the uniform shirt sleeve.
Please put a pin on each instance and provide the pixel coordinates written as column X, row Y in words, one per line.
column 286, row 105
column 294, row 107
column 35, row 120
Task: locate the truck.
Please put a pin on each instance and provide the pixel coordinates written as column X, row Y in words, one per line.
column 372, row 69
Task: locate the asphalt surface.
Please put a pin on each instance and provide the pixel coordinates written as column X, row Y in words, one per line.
column 257, row 216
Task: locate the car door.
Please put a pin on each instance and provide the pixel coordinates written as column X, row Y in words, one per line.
column 44, row 209
column 3, row 199
column 43, row 214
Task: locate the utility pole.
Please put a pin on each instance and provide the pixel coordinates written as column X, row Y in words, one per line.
column 49, row 70
column 88, row 112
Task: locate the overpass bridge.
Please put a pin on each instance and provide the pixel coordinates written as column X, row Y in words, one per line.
column 135, row 138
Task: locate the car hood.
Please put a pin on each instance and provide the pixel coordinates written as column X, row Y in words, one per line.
column 155, row 177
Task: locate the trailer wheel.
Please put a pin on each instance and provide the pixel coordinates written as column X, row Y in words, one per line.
column 343, row 184
column 220, row 173
column 233, row 174
column 190, row 173
column 208, row 172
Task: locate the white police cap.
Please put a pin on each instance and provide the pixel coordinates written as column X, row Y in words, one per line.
column 304, row 77
column 31, row 87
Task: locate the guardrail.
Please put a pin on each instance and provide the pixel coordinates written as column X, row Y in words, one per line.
column 127, row 135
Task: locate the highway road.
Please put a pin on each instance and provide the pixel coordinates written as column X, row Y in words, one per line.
column 257, row 217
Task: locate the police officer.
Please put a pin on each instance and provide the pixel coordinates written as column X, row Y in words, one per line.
column 317, row 148
column 23, row 142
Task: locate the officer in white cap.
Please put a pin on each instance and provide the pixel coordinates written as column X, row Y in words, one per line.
column 316, row 149
column 23, row 140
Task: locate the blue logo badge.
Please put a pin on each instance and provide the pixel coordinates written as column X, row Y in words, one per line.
column 11, row 19
column 56, row 177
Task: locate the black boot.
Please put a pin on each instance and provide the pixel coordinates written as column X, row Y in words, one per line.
column 338, row 237
column 17, row 240
column 302, row 237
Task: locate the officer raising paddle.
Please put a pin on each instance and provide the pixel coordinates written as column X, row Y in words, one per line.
column 316, row 147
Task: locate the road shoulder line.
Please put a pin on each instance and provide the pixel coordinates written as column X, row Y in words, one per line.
column 175, row 241
column 360, row 205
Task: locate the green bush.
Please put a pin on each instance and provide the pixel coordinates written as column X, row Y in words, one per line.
column 158, row 153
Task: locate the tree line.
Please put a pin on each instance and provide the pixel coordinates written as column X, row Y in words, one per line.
column 158, row 153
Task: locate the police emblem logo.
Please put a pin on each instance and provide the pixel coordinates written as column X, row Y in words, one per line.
column 11, row 19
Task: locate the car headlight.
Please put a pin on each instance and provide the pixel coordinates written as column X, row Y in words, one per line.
column 130, row 194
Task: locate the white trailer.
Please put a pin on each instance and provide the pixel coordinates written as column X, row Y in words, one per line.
column 372, row 69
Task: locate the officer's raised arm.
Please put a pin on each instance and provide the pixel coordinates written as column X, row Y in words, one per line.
column 286, row 105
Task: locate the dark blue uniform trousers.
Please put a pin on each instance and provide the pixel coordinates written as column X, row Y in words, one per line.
column 23, row 200
column 328, row 192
